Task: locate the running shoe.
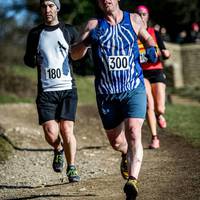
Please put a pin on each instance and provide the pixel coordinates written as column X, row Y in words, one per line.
column 155, row 143
column 131, row 189
column 124, row 167
column 72, row 174
column 161, row 121
column 58, row 161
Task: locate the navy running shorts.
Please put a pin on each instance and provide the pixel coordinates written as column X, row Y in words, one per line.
column 57, row 105
column 114, row 108
column 155, row 76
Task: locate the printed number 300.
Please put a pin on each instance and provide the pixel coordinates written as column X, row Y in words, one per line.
column 118, row 62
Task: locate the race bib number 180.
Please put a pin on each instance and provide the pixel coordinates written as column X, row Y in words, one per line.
column 118, row 63
column 52, row 73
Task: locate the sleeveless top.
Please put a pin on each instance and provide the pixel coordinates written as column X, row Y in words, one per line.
column 143, row 60
column 116, row 57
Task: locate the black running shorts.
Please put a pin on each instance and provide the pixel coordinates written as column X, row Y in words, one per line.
column 155, row 76
column 57, row 105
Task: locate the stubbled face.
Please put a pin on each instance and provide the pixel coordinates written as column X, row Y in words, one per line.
column 49, row 13
column 108, row 6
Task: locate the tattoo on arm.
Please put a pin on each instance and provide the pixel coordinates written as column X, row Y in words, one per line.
column 138, row 20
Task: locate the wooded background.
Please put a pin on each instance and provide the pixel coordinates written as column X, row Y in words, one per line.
column 19, row 16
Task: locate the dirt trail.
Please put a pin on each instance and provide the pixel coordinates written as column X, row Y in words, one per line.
column 170, row 173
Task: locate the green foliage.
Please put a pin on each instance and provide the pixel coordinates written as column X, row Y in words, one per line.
column 76, row 12
column 18, row 84
column 5, row 149
column 183, row 120
column 12, row 98
column 188, row 92
column 173, row 14
column 71, row 10
column 86, row 93
column 22, row 70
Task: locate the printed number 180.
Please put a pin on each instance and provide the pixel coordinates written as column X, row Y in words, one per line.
column 53, row 73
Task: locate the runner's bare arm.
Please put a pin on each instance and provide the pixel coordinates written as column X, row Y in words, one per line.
column 141, row 31
column 79, row 49
column 145, row 38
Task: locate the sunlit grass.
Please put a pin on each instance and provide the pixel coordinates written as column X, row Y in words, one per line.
column 12, row 98
column 22, row 70
column 85, row 88
column 5, row 149
column 184, row 120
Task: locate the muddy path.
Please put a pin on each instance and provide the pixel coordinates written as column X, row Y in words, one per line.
column 170, row 173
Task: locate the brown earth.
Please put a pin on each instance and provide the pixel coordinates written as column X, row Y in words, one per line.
column 170, row 173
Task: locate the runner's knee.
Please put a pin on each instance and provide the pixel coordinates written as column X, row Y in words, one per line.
column 51, row 133
column 134, row 132
column 66, row 128
column 116, row 146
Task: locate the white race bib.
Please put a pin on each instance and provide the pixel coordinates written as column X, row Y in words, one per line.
column 118, row 63
column 53, row 73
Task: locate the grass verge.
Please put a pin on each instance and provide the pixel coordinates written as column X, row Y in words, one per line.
column 86, row 92
column 12, row 98
column 5, row 148
column 183, row 120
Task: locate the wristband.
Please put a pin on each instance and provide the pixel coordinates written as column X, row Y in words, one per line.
column 151, row 54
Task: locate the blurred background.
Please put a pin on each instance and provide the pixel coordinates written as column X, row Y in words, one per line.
column 177, row 20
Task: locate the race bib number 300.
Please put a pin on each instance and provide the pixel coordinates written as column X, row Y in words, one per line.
column 118, row 63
